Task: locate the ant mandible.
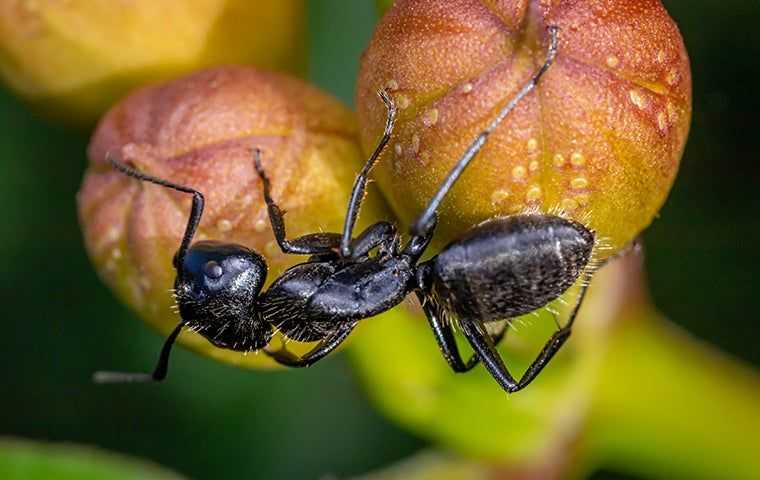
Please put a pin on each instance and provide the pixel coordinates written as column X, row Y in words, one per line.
column 499, row 269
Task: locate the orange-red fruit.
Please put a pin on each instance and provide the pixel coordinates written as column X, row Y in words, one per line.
column 200, row 131
column 600, row 139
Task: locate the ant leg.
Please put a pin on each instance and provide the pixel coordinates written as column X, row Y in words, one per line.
column 424, row 221
column 159, row 373
column 360, row 184
column 378, row 234
column 323, row 348
column 445, row 337
column 482, row 343
column 312, row 244
column 196, row 211
column 556, row 341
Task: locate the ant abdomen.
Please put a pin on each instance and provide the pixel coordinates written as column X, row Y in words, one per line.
column 509, row 266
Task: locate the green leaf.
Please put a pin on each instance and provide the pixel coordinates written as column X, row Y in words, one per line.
column 26, row 460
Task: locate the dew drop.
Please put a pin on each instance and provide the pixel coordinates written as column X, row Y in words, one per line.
column 424, row 158
column 637, row 99
column 569, row 204
column 577, row 159
column 579, row 183
column 112, row 235
column 402, row 101
column 224, row 225
column 532, row 145
column 519, row 172
column 533, row 165
column 467, row 88
column 260, row 225
column 398, row 149
column 559, row 160
column 430, row 118
column 533, row 194
column 662, row 121
column 613, row 61
column 415, row 145
column 672, row 112
column 391, row 85
column 672, row 77
column 499, row 196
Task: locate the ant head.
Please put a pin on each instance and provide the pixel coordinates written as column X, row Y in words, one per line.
column 216, row 288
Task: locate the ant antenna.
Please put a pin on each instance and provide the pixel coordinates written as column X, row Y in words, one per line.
column 360, row 184
column 159, row 373
column 424, row 222
column 195, row 212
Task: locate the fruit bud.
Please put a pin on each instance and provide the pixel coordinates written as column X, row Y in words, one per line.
column 600, row 139
column 200, row 131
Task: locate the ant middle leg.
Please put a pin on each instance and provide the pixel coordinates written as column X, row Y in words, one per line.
column 311, row 244
column 442, row 329
column 444, row 336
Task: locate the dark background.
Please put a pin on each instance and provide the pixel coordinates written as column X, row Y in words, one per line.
column 61, row 323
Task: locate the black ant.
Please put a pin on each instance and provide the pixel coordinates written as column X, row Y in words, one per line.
column 499, row 269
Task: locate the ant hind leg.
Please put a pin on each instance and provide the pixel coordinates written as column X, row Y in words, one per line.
column 556, row 341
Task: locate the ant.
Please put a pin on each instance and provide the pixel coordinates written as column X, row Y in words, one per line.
column 499, row 269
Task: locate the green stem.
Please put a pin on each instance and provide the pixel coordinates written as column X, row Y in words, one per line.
column 669, row 406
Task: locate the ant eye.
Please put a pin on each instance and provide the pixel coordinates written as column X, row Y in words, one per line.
column 213, row 270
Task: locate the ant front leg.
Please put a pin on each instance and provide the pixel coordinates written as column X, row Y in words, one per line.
column 312, row 244
column 380, row 234
column 323, row 348
column 360, row 184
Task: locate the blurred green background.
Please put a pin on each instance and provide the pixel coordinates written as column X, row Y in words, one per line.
column 213, row 421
